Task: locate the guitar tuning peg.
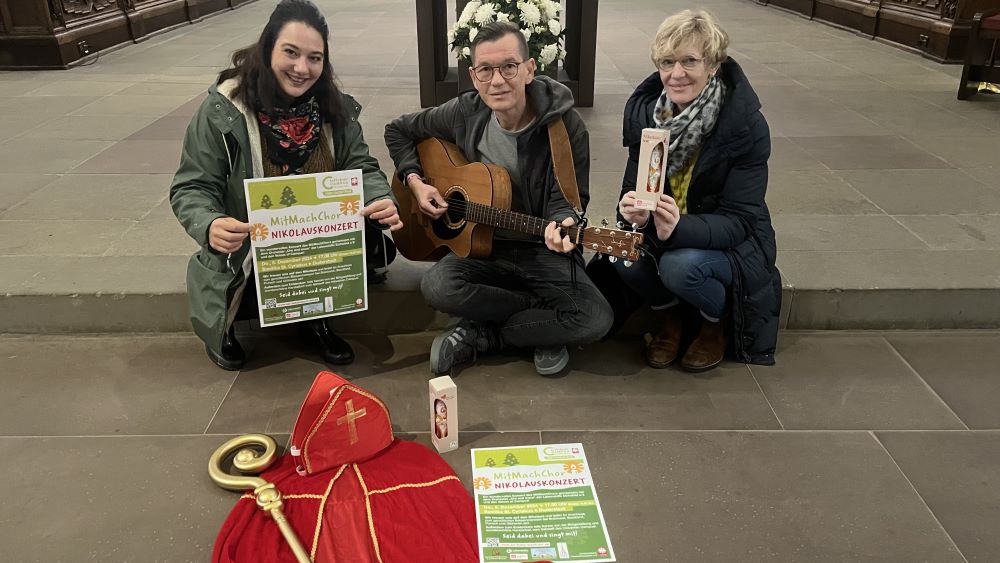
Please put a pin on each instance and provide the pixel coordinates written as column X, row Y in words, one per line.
column 635, row 227
column 620, row 225
column 627, row 263
column 599, row 256
column 612, row 259
column 604, row 222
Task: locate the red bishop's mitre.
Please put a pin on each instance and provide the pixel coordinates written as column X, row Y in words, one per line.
column 339, row 423
column 353, row 493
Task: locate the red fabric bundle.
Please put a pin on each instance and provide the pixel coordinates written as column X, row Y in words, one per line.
column 360, row 496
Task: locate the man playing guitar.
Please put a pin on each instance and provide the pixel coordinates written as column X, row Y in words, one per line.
column 524, row 294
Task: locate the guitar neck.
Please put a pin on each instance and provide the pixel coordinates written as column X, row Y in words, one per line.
column 511, row 220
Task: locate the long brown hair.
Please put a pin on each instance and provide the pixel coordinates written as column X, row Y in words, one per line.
column 258, row 88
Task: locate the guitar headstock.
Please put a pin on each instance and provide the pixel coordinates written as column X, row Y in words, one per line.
column 612, row 242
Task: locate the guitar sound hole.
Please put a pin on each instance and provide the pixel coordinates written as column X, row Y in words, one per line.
column 456, row 209
column 452, row 223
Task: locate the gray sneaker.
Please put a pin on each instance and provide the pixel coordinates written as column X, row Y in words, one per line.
column 550, row 361
column 457, row 346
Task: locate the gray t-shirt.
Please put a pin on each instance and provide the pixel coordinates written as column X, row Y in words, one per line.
column 499, row 146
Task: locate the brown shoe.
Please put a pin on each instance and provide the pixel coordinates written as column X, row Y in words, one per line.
column 707, row 350
column 661, row 350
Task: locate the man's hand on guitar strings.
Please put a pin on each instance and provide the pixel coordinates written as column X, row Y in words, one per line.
column 427, row 196
column 555, row 240
column 384, row 211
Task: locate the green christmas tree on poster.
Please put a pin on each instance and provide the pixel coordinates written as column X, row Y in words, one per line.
column 266, row 202
column 287, row 197
column 490, row 462
column 510, row 459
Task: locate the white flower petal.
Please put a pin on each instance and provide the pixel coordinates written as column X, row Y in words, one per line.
column 548, row 54
column 529, row 13
column 473, row 32
column 555, row 27
column 485, row 13
column 470, row 9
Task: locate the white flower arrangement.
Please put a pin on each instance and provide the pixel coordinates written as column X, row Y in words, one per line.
column 538, row 20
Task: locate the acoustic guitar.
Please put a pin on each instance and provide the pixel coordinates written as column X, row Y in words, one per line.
column 478, row 197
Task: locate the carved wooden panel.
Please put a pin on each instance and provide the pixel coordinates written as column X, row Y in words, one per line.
column 927, row 6
column 950, row 7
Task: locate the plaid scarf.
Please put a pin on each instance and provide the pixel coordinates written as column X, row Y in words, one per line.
column 689, row 128
column 291, row 135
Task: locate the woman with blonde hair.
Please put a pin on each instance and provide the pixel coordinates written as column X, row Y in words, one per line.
column 711, row 242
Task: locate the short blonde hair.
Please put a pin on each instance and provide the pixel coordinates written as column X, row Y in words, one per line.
column 697, row 28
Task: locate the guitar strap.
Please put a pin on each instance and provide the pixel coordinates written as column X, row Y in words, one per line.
column 562, row 163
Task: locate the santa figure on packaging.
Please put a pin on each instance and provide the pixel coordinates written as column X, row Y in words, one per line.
column 353, row 493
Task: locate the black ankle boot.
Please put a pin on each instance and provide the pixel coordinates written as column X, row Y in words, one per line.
column 334, row 349
column 232, row 357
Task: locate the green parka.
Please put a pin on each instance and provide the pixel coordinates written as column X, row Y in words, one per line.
column 222, row 147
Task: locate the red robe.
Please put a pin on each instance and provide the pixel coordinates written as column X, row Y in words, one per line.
column 350, row 501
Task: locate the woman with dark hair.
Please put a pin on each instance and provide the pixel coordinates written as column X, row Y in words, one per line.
column 276, row 112
column 711, row 239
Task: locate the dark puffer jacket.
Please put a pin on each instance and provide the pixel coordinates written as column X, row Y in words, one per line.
column 725, row 204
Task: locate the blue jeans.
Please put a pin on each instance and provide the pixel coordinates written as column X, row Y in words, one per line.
column 534, row 297
column 700, row 277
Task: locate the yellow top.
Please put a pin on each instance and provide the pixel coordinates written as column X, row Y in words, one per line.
column 680, row 181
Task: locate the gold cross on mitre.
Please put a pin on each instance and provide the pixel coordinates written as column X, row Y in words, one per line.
column 349, row 418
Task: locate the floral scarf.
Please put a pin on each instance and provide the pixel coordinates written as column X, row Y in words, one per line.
column 291, row 135
column 689, row 128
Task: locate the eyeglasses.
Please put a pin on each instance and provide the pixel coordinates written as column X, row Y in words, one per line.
column 485, row 73
column 687, row 63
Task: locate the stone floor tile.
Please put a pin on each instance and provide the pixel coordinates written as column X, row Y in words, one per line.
column 135, row 157
column 111, row 498
column 757, row 496
column 133, row 105
column 163, row 129
column 918, row 192
column 839, row 232
column 931, row 124
column 164, row 89
column 787, row 155
column 89, row 88
column 62, row 238
column 10, row 89
column 499, row 394
column 814, row 192
column 955, row 232
column 88, row 128
column 958, row 475
column 47, row 156
column 60, row 275
column 92, row 197
column 965, row 151
column 821, row 124
column 170, row 239
column 988, row 176
column 856, row 152
column 189, row 108
column 848, row 382
column 45, row 105
column 16, row 125
column 14, row 188
column 960, row 367
column 113, row 385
